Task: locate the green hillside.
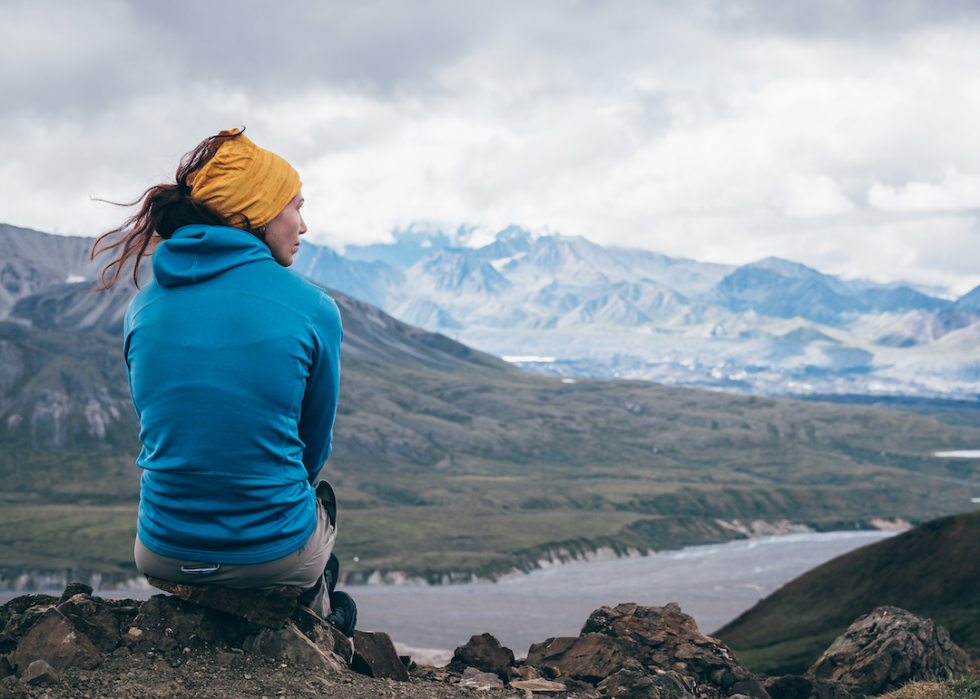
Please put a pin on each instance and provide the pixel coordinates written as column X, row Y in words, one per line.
column 932, row 571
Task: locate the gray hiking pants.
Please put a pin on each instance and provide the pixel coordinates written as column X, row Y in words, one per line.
column 301, row 568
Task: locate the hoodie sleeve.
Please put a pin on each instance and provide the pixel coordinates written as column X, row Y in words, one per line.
column 322, row 387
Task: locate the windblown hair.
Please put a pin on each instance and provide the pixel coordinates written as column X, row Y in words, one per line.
column 163, row 209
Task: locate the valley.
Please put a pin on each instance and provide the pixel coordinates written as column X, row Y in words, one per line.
column 452, row 464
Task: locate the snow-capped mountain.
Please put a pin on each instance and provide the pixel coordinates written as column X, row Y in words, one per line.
column 567, row 306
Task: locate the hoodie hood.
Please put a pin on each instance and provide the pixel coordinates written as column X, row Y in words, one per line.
column 199, row 252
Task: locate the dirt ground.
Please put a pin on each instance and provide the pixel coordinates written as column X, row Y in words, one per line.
column 216, row 675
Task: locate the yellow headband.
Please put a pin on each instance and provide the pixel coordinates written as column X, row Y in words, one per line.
column 243, row 179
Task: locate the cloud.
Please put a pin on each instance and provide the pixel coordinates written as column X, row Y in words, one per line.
column 840, row 134
column 955, row 192
column 817, row 196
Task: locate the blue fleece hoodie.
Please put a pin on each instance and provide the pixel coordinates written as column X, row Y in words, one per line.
column 234, row 368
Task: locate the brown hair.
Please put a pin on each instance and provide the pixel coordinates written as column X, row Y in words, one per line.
column 163, row 209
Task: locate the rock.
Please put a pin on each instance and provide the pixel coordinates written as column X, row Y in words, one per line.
column 75, row 588
column 20, row 624
column 591, row 657
column 528, row 672
column 229, row 659
column 629, row 684
column 271, row 608
column 544, row 656
column 166, row 689
column 887, row 648
column 40, row 672
column 539, row 685
column 375, row 656
column 6, row 669
column 93, row 617
column 53, row 638
column 290, row 645
column 646, row 641
column 18, row 605
column 165, row 623
column 485, row 653
column 799, row 687
column 7, row 643
column 325, row 636
column 474, row 679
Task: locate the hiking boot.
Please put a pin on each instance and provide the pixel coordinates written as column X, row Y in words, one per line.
column 343, row 613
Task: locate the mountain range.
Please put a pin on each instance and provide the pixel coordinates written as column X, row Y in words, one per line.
column 450, row 461
column 565, row 306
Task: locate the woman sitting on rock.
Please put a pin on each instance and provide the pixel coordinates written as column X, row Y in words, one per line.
column 234, row 369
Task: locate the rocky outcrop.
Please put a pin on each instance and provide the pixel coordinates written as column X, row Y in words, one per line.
column 887, row 648
column 635, row 651
column 43, row 635
column 625, row 652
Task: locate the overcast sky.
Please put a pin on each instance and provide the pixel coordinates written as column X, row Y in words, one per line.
column 844, row 135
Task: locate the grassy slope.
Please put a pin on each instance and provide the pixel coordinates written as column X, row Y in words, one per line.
column 58, row 537
column 447, row 460
column 931, row 571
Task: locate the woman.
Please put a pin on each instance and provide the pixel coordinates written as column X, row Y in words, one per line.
column 234, row 369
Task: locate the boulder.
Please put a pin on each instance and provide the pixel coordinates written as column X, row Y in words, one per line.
column 646, row 641
column 375, row 656
column 271, row 608
column 54, row 639
column 485, row 653
column 887, row 648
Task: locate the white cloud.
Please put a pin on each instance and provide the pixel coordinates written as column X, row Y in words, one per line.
column 817, row 196
column 955, row 192
column 821, row 132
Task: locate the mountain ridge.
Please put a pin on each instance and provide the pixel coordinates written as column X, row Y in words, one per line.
column 930, row 570
column 624, row 313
